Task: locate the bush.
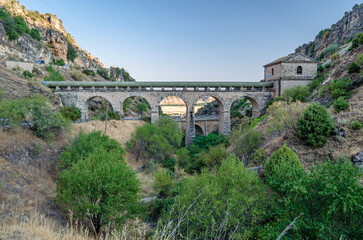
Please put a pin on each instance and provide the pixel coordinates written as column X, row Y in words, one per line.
column 103, row 73
column 14, row 26
column 340, row 104
column 283, row 169
column 71, row 113
column 315, row 125
column 202, row 142
column 353, row 68
column 246, row 142
column 157, row 141
column 356, row 125
column 28, row 74
column 358, row 40
column 334, row 56
column 297, row 93
column 34, row 33
column 340, row 87
column 78, row 75
column 89, row 72
column 259, row 156
column 329, row 51
column 99, row 186
column 43, row 121
column 319, row 79
column 59, row 62
column 53, row 75
column 169, row 164
column 209, row 205
column 163, row 182
column 71, row 52
column 86, row 144
column 360, row 59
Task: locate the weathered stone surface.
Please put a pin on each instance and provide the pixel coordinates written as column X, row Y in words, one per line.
column 357, row 159
column 339, row 132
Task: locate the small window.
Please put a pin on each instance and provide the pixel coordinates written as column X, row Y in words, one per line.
column 272, row 71
column 299, row 70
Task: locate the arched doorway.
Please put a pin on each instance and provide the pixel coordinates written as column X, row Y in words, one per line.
column 198, row 130
column 136, row 107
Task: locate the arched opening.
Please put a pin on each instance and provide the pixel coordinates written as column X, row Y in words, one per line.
column 243, row 107
column 173, row 106
column 209, row 110
column 136, row 107
column 98, row 107
column 299, row 70
column 198, row 130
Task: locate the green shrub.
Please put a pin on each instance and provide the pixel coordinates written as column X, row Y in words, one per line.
column 202, row 142
column 319, row 79
column 212, row 204
column 169, row 164
column 353, row 67
column 259, row 156
column 14, row 26
column 246, row 142
column 334, row 56
column 283, row 169
column 185, row 160
column 360, row 59
column 297, row 93
column 43, row 121
column 103, row 73
column 358, row 40
column 329, row 51
column 163, row 182
column 257, row 120
column 340, row 87
column 34, row 33
column 28, row 74
column 71, row 53
column 111, row 115
column 59, row 62
column 315, row 125
column 53, row 75
column 71, row 113
column 356, row 125
column 89, row 72
column 158, row 141
column 340, row 104
column 99, row 186
column 320, row 69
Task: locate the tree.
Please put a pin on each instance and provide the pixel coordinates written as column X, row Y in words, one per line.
column 34, row 33
column 315, row 125
column 71, row 112
column 232, row 201
column 101, row 188
column 297, row 93
column 283, row 169
column 72, row 53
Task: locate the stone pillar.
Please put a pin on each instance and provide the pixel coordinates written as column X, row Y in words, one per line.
column 154, row 116
column 189, row 126
column 255, row 112
column 84, row 111
column 225, row 122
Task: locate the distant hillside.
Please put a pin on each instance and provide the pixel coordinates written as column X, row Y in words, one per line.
column 339, row 33
column 54, row 42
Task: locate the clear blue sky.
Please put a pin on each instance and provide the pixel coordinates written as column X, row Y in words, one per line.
column 193, row 40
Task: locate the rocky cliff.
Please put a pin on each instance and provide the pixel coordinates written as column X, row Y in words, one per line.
column 350, row 25
column 53, row 45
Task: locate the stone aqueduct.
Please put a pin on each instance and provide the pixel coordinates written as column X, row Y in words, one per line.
column 80, row 94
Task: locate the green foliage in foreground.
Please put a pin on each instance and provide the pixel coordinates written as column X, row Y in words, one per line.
column 356, row 125
column 157, row 141
column 53, row 75
column 283, row 169
column 42, row 119
column 97, row 184
column 330, row 199
column 233, row 195
column 71, row 113
column 315, row 126
column 340, row 87
column 14, row 26
column 340, row 104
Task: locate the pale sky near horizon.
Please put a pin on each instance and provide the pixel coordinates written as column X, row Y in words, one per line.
column 193, row 40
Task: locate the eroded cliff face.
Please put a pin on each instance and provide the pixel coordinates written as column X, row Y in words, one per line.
column 350, row 25
column 54, row 44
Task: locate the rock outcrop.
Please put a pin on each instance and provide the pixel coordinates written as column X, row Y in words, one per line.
column 350, row 25
column 54, row 43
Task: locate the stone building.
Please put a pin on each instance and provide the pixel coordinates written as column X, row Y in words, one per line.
column 289, row 71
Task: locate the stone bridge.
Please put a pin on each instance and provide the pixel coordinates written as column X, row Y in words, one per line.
column 80, row 94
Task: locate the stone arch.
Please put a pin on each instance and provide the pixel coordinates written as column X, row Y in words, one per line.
column 199, row 130
column 164, row 97
column 124, row 104
column 85, row 104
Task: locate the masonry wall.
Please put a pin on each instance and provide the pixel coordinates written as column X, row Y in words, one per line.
column 277, row 72
column 289, row 70
column 22, row 65
column 292, row 83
